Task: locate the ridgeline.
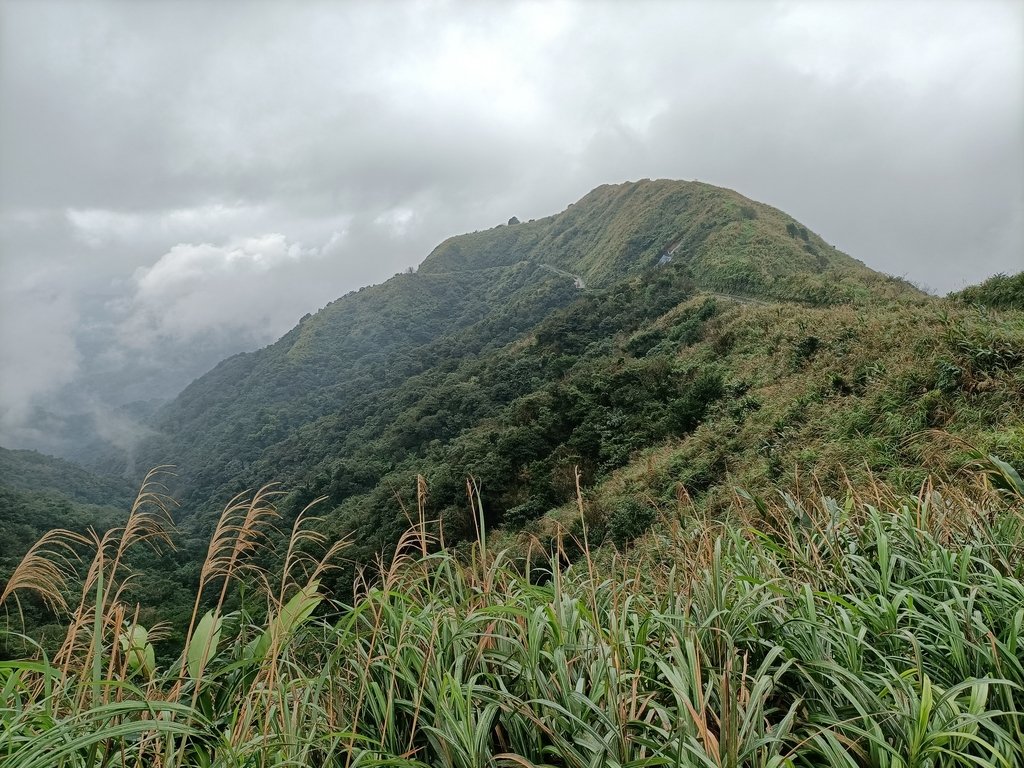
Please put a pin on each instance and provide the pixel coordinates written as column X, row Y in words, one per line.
column 662, row 339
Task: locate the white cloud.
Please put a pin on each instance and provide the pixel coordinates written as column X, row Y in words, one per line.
column 33, row 318
column 249, row 286
column 95, row 226
column 98, row 227
column 396, row 221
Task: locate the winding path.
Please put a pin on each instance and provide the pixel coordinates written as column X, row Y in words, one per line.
column 576, row 279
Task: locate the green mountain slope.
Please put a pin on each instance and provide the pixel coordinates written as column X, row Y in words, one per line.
column 474, row 294
column 730, row 243
column 998, row 292
column 33, row 471
column 345, row 359
column 39, row 493
column 753, row 356
column 655, row 335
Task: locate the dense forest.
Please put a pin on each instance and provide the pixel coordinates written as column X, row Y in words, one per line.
column 665, row 389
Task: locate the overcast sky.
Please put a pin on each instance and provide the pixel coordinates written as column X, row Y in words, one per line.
column 178, row 176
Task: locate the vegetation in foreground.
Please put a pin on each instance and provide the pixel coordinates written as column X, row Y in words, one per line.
column 880, row 630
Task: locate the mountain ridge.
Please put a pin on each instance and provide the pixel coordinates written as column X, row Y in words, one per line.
column 378, row 334
column 658, row 380
column 616, row 231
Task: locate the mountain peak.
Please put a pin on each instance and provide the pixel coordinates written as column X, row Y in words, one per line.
column 620, row 257
column 729, row 242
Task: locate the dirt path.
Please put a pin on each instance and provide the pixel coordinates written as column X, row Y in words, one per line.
column 576, row 279
column 740, row 299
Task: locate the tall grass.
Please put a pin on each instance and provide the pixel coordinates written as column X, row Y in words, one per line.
column 876, row 630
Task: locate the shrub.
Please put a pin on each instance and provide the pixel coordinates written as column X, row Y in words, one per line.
column 630, row 520
column 998, row 292
column 805, row 349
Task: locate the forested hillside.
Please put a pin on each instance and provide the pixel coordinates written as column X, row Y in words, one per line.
column 659, row 338
column 40, row 493
column 354, row 367
column 661, row 480
column 32, row 471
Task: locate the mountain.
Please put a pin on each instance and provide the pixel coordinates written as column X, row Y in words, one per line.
column 476, row 293
column 665, row 339
column 691, row 429
column 655, row 334
column 729, row 242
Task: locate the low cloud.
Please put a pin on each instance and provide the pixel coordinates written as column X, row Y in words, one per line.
column 33, row 318
column 244, row 287
column 99, row 227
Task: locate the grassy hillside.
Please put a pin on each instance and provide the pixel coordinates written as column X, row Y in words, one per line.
column 998, row 292
column 348, row 369
column 755, row 350
column 710, row 395
column 729, row 242
column 878, row 629
column 577, row 503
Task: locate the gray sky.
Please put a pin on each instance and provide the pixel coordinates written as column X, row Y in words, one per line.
column 179, row 180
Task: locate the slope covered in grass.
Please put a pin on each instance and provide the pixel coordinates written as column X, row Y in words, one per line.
column 998, row 292
column 658, row 389
column 730, row 242
column 877, row 629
